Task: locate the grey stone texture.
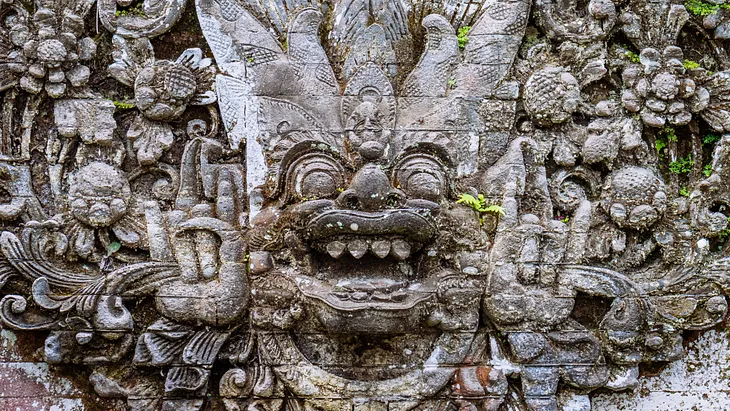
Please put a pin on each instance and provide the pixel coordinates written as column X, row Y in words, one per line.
column 350, row 205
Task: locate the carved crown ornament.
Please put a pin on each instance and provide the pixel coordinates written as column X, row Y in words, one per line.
column 363, row 205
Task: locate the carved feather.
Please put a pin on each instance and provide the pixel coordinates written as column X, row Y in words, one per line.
column 235, row 36
column 431, row 76
column 491, row 48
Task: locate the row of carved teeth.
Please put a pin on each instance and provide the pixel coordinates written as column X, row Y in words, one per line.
column 398, row 249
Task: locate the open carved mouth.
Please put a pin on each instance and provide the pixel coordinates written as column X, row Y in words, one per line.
column 367, row 262
column 394, row 233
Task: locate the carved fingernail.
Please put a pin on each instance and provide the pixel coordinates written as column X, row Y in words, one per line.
column 336, row 249
column 400, row 250
column 381, row 248
column 357, row 248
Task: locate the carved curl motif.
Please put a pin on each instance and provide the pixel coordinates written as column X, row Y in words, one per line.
column 380, row 204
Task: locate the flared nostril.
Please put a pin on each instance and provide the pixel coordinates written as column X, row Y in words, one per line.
column 395, row 199
column 348, row 199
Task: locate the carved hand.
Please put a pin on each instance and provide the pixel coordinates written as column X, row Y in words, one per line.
column 212, row 288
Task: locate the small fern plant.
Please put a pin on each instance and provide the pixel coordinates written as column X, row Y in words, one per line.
column 479, row 203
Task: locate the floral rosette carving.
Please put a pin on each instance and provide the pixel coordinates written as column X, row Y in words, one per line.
column 163, row 90
column 100, row 202
column 49, row 48
column 661, row 89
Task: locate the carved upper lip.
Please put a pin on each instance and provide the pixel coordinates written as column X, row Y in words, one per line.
column 417, row 225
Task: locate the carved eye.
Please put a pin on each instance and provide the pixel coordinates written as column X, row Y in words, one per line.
column 421, row 176
column 313, row 176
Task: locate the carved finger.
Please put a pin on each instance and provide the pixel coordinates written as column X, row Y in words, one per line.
column 232, row 247
column 160, row 248
column 205, row 243
column 226, row 203
column 184, row 247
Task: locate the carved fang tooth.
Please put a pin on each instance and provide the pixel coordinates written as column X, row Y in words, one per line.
column 400, row 250
column 357, row 248
column 381, row 248
column 336, row 249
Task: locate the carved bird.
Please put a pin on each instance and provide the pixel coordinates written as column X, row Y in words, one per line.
column 431, row 76
column 307, row 58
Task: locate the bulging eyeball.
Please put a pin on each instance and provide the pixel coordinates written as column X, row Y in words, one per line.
column 90, row 191
column 118, row 207
column 634, row 197
column 643, row 216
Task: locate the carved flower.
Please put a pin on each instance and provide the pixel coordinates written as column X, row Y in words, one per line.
column 52, row 49
column 661, row 89
column 163, row 90
column 634, row 197
column 99, row 202
column 552, row 95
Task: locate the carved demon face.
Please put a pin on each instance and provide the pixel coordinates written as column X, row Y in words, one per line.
column 364, row 242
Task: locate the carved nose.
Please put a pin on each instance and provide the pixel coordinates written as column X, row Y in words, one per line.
column 371, row 191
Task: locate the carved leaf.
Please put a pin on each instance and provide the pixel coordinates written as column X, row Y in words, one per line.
column 130, row 56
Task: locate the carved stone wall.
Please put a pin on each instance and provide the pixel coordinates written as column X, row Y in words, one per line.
column 289, row 205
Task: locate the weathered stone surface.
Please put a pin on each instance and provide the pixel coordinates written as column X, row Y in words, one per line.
column 351, row 204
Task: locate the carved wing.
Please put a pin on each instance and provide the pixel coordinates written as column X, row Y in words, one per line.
column 307, row 58
column 459, row 13
column 353, row 17
column 235, row 36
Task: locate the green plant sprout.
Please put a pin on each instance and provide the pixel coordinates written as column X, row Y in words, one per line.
column 633, row 57
column 120, row 105
column 702, row 9
column 479, row 204
column 707, row 170
column 711, row 138
column 112, row 248
column 684, row 192
column 682, row 165
column 664, row 135
column 462, row 36
column 132, row 11
column 690, row 65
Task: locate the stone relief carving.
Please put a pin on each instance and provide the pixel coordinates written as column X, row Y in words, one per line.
column 491, row 205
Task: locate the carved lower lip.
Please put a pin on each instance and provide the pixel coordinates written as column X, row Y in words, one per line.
column 414, row 224
column 382, row 301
